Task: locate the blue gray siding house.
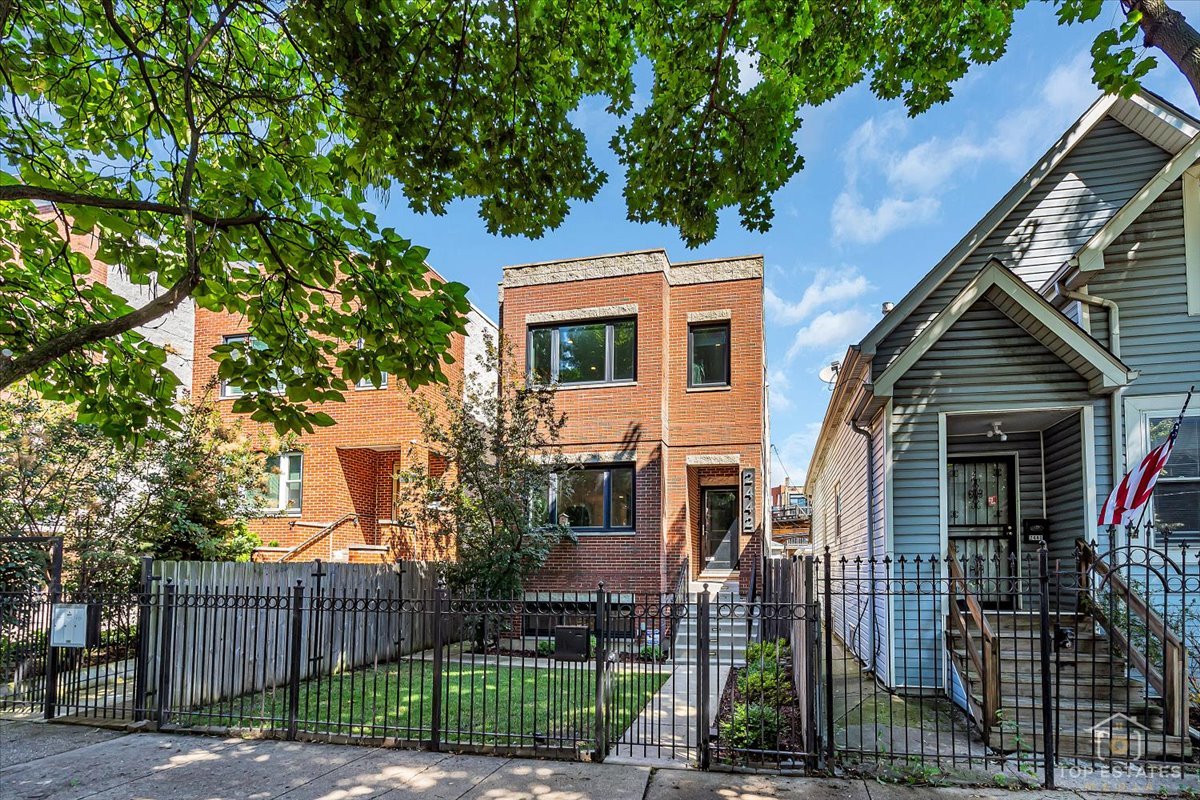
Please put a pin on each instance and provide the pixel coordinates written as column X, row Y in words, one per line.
column 1067, row 319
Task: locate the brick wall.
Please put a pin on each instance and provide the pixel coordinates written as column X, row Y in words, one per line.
column 658, row 418
column 347, row 466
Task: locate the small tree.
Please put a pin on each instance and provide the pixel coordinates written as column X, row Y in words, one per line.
column 186, row 495
column 500, row 446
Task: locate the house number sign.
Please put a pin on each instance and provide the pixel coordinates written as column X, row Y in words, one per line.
column 747, row 501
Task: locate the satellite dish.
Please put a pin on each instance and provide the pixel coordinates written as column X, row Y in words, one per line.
column 828, row 375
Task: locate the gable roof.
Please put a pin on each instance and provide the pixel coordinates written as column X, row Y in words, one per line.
column 1028, row 309
column 1144, row 113
column 1090, row 257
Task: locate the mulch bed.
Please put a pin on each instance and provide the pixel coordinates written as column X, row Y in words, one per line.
column 789, row 740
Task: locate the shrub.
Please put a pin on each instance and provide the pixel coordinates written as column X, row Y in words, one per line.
column 769, row 685
column 753, row 726
column 652, row 652
column 767, row 653
column 545, row 648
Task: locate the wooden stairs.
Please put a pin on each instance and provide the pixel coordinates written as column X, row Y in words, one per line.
column 1095, row 700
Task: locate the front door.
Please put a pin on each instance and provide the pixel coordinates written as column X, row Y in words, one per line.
column 719, row 537
column 982, row 524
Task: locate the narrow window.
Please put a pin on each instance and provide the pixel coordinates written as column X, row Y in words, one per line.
column 708, row 355
column 367, row 382
column 285, row 484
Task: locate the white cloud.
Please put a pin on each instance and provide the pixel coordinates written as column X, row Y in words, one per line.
column 914, row 177
column 831, row 329
column 828, row 287
column 854, row 220
column 780, row 391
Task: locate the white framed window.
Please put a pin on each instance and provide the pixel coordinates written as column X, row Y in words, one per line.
column 365, row 382
column 285, row 484
column 230, row 390
column 1175, row 504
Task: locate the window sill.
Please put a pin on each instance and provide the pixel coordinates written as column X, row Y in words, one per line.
column 571, row 387
column 701, row 389
column 591, row 533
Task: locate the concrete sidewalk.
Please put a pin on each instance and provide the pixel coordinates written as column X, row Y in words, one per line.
column 60, row 762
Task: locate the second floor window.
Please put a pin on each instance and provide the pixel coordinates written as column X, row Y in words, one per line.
column 365, row 382
column 586, row 352
column 285, row 484
column 708, row 355
column 231, row 389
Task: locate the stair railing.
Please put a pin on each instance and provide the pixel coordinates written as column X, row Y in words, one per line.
column 316, row 537
column 985, row 657
column 1172, row 683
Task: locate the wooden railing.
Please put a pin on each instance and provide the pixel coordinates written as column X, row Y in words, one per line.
column 316, row 537
column 986, row 656
column 1172, row 683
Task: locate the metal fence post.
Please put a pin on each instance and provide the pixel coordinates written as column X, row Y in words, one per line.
column 142, row 657
column 1048, row 733
column 601, row 671
column 51, row 695
column 827, row 671
column 811, row 677
column 703, row 616
column 162, row 698
column 440, row 601
column 297, row 624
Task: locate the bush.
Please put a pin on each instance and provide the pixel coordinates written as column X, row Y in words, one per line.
column 545, row 648
column 652, row 652
column 769, row 685
column 753, row 726
column 767, row 653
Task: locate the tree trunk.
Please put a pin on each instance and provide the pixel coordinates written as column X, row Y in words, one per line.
column 1166, row 29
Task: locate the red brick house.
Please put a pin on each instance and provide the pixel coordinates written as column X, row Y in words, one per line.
column 660, row 369
column 332, row 496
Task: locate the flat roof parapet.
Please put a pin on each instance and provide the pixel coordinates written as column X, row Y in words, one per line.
column 638, row 262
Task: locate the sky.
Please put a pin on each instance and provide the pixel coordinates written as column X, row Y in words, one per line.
column 881, row 199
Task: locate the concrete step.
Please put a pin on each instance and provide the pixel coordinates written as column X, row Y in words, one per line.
column 1082, row 744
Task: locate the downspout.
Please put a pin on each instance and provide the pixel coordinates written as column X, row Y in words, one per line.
column 871, row 563
column 1116, row 413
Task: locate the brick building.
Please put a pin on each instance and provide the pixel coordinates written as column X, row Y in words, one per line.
column 333, row 496
column 660, row 369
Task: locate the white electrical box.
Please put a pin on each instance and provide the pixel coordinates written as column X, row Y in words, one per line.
column 69, row 625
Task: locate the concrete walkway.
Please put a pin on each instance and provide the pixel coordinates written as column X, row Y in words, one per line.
column 40, row 761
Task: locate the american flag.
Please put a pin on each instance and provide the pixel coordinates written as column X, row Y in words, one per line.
column 1135, row 489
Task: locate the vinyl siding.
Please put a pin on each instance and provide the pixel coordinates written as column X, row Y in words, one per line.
column 1064, row 487
column 984, row 362
column 844, row 474
column 1099, row 176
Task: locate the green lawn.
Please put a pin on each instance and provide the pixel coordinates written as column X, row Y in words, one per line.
column 482, row 704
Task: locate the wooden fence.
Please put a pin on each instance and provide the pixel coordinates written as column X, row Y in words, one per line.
column 226, row 630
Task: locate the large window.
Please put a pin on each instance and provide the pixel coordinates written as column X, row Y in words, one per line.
column 586, row 352
column 285, row 484
column 233, row 390
column 708, row 355
column 592, row 498
column 1177, row 495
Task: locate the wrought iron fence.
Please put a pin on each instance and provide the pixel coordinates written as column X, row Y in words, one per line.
column 911, row 667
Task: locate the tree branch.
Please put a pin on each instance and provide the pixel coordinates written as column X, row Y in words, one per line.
column 48, row 195
column 13, row 369
column 1166, row 29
